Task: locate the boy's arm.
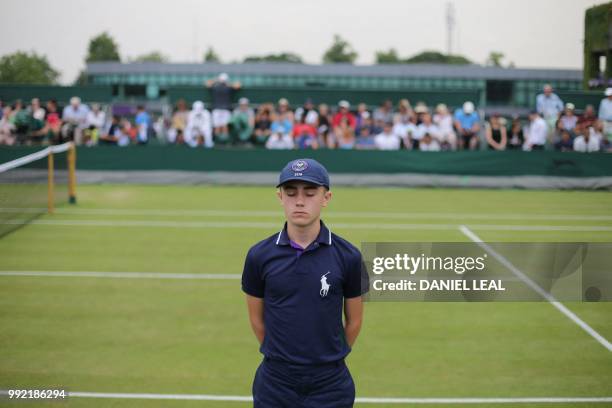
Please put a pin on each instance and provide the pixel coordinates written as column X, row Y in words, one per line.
column 255, row 306
column 353, row 314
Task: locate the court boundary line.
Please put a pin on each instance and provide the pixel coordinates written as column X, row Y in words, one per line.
column 359, row 400
column 537, row 288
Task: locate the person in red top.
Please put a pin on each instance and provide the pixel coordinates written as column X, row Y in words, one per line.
column 305, row 135
column 342, row 114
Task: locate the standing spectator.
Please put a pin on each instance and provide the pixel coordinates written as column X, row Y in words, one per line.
column 566, row 142
column 588, row 118
column 383, row 114
column 341, row 120
column 308, row 112
column 427, row 127
column 568, row 120
column 444, row 120
column 74, row 118
column 429, row 144
column 178, row 123
column 199, row 127
column 263, row 123
column 467, row 123
column 222, row 94
column 549, row 106
column 605, row 113
column 496, row 134
column 537, row 132
column 143, row 122
column 588, row 141
column 243, row 122
column 96, row 118
column 387, row 140
column 7, row 128
column 516, row 138
column 324, row 125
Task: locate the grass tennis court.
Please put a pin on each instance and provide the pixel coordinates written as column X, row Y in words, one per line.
column 192, row 336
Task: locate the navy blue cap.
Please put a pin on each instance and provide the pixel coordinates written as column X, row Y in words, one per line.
column 308, row 170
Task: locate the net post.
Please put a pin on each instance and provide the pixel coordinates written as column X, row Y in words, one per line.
column 50, row 185
column 72, row 174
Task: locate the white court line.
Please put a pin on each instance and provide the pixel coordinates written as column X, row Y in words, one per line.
column 340, row 214
column 359, row 400
column 272, row 225
column 537, row 288
column 126, row 275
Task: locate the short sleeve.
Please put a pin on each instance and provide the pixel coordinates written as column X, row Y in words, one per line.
column 357, row 281
column 252, row 281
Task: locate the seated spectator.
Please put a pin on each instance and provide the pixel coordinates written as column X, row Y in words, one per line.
column 426, row 127
column 420, row 109
column 96, row 118
column 341, row 120
column 53, row 123
column 444, row 120
column 222, row 93
column 588, row 118
column 243, row 122
column 7, row 128
column 308, row 112
column 428, row 144
column 383, row 114
column 110, row 135
column 199, row 127
column 404, row 112
column 20, row 118
column 324, row 125
column 496, row 134
column 467, row 123
column 387, row 140
column 346, row 135
column 263, row 123
column 305, row 135
column 587, row 141
column 566, row 141
column 36, row 122
column 605, row 113
column 365, row 139
column 283, row 119
column 74, row 118
column 516, row 139
column 537, row 132
column 361, row 115
column 178, row 123
column 280, row 141
column 568, row 120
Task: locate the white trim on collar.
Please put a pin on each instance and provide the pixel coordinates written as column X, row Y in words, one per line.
column 328, row 230
column 278, row 238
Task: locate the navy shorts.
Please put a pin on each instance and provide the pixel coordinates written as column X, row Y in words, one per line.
column 278, row 384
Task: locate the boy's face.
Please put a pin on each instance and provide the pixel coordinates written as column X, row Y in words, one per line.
column 303, row 202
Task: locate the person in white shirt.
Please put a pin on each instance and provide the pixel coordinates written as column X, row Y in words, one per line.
column 588, row 141
column 387, row 140
column 426, row 127
column 199, row 126
column 537, row 132
column 280, row 141
column 429, row 144
column 549, row 106
column 96, row 118
column 74, row 117
column 444, row 120
column 605, row 113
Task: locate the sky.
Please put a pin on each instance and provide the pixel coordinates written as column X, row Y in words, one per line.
column 530, row 33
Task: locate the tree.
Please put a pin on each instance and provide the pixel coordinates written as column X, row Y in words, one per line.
column 387, row 57
column 153, row 56
column 211, row 56
column 435, row 57
column 495, row 59
column 102, row 48
column 340, row 51
column 23, row 68
column 282, row 57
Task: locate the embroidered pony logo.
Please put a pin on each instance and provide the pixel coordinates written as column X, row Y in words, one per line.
column 324, row 285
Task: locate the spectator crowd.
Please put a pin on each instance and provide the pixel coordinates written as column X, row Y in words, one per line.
column 280, row 126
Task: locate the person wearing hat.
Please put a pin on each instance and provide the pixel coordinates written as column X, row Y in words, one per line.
column 605, row 113
column 568, row 120
column 342, row 120
column 243, row 122
column 298, row 282
column 198, row 131
column 467, row 123
column 222, row 93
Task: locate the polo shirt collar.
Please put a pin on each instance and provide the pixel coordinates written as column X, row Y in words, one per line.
column 323, row 238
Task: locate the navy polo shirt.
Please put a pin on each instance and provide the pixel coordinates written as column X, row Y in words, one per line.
column 303, row 294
